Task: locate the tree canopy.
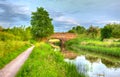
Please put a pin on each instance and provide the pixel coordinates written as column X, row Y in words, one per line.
column 41, row 23
column 93, row 31
column 78, row 29
column 111, row 30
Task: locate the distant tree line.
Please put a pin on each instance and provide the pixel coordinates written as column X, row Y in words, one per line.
column 108, row 31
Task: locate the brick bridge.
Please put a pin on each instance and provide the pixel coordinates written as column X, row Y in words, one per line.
column 63, row 37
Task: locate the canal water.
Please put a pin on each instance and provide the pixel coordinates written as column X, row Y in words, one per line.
column 95, row 67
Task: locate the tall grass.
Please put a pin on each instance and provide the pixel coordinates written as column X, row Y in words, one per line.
column 44, row 62
column 107, row 48
column 107, row 51
column 11, row 49
column 4, row 36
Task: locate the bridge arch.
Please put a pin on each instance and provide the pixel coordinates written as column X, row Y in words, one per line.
column 60, row 40
column 63, row 37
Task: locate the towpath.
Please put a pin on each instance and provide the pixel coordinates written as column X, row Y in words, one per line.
column 13, row 67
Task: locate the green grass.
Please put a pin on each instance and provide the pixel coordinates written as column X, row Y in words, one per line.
column 107, row 48
column 44, row 62
column 10, row 50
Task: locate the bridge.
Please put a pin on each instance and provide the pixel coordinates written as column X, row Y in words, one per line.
column 63, row 37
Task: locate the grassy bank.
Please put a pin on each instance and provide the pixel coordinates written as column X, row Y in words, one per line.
column 44, row 62
column 10, row 50
column 106, row 48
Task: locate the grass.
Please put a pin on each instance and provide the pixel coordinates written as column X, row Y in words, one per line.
column 44, row 62
column 106, row 48
column 10, row 50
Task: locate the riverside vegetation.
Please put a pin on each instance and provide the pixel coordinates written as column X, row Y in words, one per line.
column 13, row 41
column 99, row 40
column 106, row 48
column 10, row 50
column 44, row 62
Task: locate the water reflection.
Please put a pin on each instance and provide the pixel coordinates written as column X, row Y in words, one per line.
column 94, row 67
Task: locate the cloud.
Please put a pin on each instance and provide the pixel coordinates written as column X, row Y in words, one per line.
column 65, row 13
column 54, row 14
column 63, row 23
column 66, row 20
column 2, row 0
column 62, row 27
column 109, row 21
column 11, row 13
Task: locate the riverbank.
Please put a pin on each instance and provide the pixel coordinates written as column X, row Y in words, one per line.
column 45, row 62
column 94, row 57
column 96, row 46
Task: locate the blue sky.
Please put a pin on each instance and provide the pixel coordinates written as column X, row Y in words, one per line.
column 65, row 13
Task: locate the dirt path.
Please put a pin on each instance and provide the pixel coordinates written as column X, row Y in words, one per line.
column 12, row 68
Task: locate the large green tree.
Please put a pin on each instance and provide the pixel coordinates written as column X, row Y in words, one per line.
column 41, row 24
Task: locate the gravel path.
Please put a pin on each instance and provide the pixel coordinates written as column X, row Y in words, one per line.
column 13, row 67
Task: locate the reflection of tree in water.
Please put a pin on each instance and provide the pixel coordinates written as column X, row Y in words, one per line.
column 95, row 67
column 91, row 58
column 110, row 63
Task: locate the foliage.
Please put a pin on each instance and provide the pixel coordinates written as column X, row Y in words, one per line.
column 15, row 33
column 93, row 31
column 106, row 32
column 111, row 30
column 41, row 23
column 116, row 30
column 44, row 62
column 11, row 49
column 78, row 29
column 107, row 48
column 22, row 32
column 4, row 36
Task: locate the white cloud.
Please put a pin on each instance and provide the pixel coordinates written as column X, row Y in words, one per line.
column 22, row 10
column 109, row 21
column 66, row 20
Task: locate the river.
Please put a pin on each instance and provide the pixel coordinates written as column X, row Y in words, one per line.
column 95, row 67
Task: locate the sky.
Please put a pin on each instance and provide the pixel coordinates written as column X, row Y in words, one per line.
column 65, row 13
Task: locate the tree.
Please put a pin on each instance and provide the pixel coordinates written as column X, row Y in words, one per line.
column 106, row 32
column 78, row 29
column 93, row 31
column 41, row 24
column 110, row 30
column 115, row 30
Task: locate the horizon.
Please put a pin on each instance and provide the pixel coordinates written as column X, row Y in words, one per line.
column 65, row 14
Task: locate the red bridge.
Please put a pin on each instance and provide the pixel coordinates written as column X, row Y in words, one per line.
column 63, row 37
